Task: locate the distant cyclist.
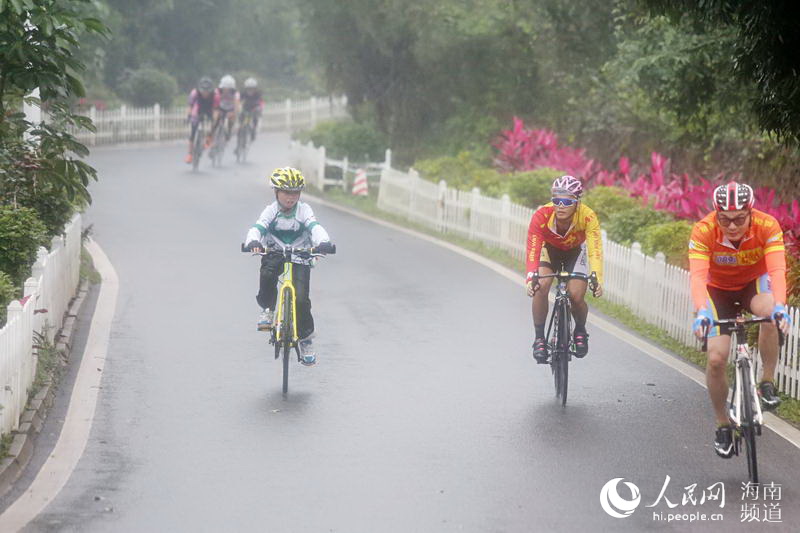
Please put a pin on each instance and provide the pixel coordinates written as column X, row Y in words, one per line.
column 228, row 104
column 563, row 234
column 203, row 104
column 737, row 261
column 287, row 222
column 252, row 104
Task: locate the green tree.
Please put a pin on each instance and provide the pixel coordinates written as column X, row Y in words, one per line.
column 188, row 39
column 445, row 75
column 148, row 86
column 764, row 52
column 38, row 40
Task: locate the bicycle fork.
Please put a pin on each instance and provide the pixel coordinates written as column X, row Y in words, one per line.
column 736, row 409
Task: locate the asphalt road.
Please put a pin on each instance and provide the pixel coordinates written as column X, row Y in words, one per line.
column 424, row 413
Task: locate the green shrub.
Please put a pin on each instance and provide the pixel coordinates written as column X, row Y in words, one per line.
column 623, row 227
column 23, row 187
column 7, row 293
column 52, row 207
column 21, row 235
column 359, row 142
column 605, row 201
column 463, row 172
column 532, row 188
column 467, row 130
column 671, row 238
column 148, row 86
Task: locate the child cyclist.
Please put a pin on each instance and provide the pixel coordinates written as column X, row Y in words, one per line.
column 287, row 222
column 563, row 234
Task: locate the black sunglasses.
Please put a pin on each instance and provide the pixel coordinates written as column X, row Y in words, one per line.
column 738, row 220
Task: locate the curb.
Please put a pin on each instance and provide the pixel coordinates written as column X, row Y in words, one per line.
column 32, row 419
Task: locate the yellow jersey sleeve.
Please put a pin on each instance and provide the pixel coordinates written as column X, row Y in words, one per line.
column 594, row 240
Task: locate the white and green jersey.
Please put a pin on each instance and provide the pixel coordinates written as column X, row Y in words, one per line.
column 296, row 228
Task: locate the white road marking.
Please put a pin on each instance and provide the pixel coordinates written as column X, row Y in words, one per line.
column 773, row 422
column 78, row 423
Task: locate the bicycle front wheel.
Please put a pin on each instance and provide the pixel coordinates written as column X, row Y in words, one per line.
column 748, row 423
column 197, row 149
column 286, row 335
column 563, row 348
column 555, row 352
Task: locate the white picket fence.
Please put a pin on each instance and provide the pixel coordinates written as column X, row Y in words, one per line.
column 133, row 124
column 655, row 290
column 313, row 160
column 47, row 293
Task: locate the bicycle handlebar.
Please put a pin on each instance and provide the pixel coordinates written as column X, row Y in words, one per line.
column 566, row 276
column 739, row 321
column 300, row 252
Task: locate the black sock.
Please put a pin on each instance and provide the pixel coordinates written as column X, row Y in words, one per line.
column 539, row 330
column 580, row 328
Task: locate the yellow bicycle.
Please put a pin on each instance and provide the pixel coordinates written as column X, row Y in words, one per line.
column 284, row 328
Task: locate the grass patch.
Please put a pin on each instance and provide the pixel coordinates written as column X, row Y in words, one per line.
column 5, row 445
column 88, row 271
column 48, row 363
column 789, row 410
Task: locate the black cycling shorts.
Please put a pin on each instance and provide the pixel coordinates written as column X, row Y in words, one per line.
column 727, row 304
column 573, row 260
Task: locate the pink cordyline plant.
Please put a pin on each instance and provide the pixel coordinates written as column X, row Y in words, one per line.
column 686, row 197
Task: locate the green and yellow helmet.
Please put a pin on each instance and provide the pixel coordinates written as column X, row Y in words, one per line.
column 287, row 179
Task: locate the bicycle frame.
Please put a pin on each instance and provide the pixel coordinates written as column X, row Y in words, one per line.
column 562, row 294
column 287, row 284
column 561, row 299
column 246, row 120
column 744, row 363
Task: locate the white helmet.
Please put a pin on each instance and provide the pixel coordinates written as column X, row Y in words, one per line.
column 250, row 83
column 227, row 82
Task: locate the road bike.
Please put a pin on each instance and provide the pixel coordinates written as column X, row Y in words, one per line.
column 199, row 142
column 559, row 330
column 744, row 407
column 243, row 136
column 218, row 142
column 284, row 326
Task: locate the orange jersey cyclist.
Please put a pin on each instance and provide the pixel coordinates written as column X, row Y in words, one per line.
column 737, row 261
column 563, row 234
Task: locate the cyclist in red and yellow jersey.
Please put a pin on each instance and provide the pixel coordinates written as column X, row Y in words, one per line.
column 563, row 234
column 737, row 261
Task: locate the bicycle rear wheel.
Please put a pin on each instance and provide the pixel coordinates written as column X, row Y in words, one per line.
column 286, row 335
column 748, row 423
column 218, row 145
